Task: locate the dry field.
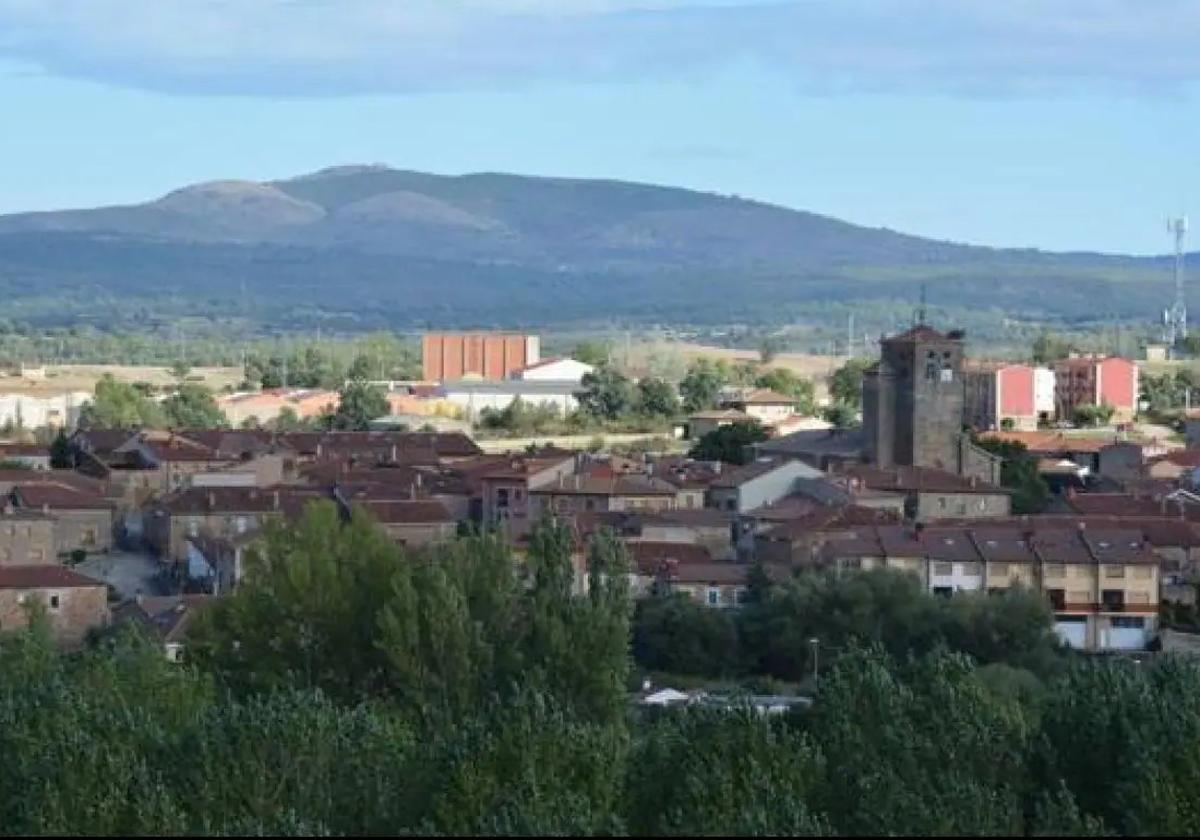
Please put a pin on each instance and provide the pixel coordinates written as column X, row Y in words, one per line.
column 60, row 378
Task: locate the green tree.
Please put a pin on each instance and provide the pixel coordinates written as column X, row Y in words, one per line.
column 594, row 353
column 840, row 415
column 1049, row 348
column 359, row 403
column 1093, row 415
column 768, row 349
column 656, row 398
column 678, row 635
column 192, row 407
column 606, row 394
column 120, row 405
column 702, row 385
column 1019, row 473
column 784, row 381
column 62, row 456
column 731, row 444
column 288, row 421
column 845, row 383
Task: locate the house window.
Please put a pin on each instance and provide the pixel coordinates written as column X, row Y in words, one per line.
column 714, row 597
column 942, row 503
column 943, row 569
column 1114, row 571
column 1141, row 572
column 1113, row 600
column 731, row 504
column 89, row 536
column 589, row 504
column 1053, row 570
column 502, row 497
column 999, row 570
column 739, row 596
column 1128, row 622
column 517, row 495
column 54, row 602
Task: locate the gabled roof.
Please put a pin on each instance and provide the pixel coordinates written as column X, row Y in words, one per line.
column 764, row 396
column 618, row 485
column 57, row 497
column 167, row 616
column 407, row 512
column 43, row 577
column 917, row 479
column 738, row 476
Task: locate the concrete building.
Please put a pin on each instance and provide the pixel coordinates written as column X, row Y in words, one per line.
column 1096, row 380
column 569, row 495
column 757, row 484
column 703, row 422
column 555, row 370
column 266, row 405
column 1007, row 396
column 453, row 356
column 768, row 407
column 471, row 397
column 74, row 605
column 35, row 409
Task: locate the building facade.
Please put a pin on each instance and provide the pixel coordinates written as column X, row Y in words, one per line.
column 1094, row 381
column 451, row 356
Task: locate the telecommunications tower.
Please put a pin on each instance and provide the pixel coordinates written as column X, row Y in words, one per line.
column 1175, row 327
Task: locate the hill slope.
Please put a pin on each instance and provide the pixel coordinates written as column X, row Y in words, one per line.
column 372, row 246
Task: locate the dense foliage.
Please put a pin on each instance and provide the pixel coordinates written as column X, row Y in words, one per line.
column 731, row 444
column 351, row 688
column 1019, row 473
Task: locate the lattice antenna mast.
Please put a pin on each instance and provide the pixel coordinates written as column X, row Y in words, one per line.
column 1175, row 319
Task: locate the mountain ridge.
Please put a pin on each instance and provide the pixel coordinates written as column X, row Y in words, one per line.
column 409, row 246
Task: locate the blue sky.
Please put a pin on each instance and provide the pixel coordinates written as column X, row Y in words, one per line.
column 1061, row 124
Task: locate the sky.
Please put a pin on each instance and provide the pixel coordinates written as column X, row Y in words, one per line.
column 1057, row 124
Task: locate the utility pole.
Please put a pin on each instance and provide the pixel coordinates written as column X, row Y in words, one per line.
column 850, row 336
column 816, row 653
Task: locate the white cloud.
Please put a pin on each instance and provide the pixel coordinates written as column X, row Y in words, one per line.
column 331, row 47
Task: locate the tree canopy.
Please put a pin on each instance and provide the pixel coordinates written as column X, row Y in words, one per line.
column 192, row 406
column 120, row 405
column 731, row 444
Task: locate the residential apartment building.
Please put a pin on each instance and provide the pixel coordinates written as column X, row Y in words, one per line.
column 568, row 495
column 1096, row 380
column 1102, row 584
column 1007, row 396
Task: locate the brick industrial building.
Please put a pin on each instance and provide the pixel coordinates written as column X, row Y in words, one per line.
column 446, row 357
column 1096, row 380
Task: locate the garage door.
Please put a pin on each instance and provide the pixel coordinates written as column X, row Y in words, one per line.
column 1072, row 633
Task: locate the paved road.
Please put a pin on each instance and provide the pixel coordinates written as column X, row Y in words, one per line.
column 130, row 573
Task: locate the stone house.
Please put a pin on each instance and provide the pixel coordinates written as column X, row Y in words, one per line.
column 73, row 604
column 83, row 521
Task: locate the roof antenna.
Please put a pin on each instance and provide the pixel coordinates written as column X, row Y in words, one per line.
column 920, row 317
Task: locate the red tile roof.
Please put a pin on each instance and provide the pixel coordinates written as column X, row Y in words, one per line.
column 43, row 577
column 410, row 512
column 57, row 497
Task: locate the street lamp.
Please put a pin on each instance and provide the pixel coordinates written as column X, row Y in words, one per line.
column 815, row 643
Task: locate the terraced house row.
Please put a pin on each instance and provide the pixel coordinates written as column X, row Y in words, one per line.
column 1102, row 584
